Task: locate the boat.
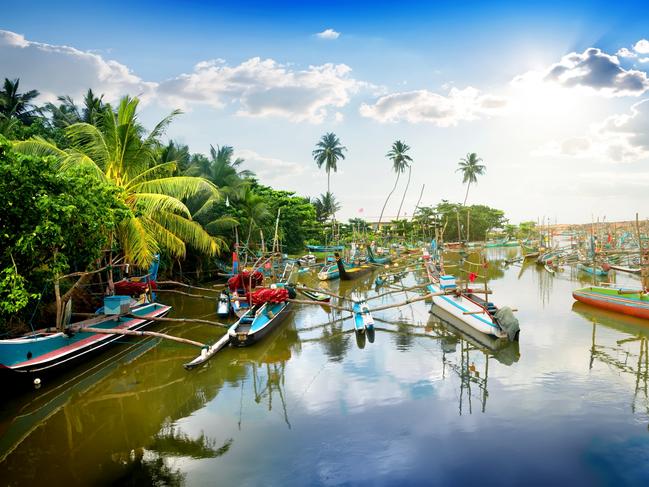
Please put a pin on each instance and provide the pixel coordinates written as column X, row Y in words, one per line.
column 549, row 268
column 590, row 269
column 632, row 302
column 258, row 322
column 329, row 272
column 325, row 248
column 42, row 354
column 377, row 260
column 362, row 317
column 497, row 243
column 314, row 296
column 548, row 257
column 630, row 270
column 350, row 273
column 240, row 285
column 223, row 305
column 452, row 303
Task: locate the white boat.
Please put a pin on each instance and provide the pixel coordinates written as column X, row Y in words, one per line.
column 469, row 309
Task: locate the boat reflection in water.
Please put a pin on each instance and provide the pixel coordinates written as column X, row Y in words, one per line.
column 472, row 364
column 628, row 353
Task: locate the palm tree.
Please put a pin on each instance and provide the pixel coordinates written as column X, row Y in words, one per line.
column 222, row 170
column 254, row 209
column 470, row 168
column 399, row 149
column 325, row 206
column 15, row 104
column 328, row 151
column 118, row 152
column 400, row 160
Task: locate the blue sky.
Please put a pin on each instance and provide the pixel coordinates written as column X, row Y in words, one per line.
column 446, row 77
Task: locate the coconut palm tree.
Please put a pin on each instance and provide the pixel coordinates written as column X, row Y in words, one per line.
column 68, row 113
column 328, row 152
column 118, row 152
column 325, row 206
column 470, row 168
column 16, row 104
column 400, row 161
column 254, row 209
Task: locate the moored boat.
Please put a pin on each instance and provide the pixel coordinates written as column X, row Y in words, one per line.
column 362, row 317
column 325, row 248
column 630, row 302
column 329, row 272
column 593, row 269
column 223, row 305
column 258, row 322
column 43, row 353
column 348, row 274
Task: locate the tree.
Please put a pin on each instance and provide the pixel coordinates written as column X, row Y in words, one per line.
column 328, row 152
column 400, row 160
column 16, row 104
column 53, row 222
column 470, row 168
column 118, row 152
column 325, row 206
column 67, row 112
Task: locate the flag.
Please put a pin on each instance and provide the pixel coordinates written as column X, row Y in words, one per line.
column 472, row 277
column 360, row 210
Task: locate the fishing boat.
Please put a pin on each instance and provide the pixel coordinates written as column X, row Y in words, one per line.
column 497, row 243
column 325, row 248
column 593, row 269
column 314, row 295
column 223, row 305
column 630, row 270
column 258, row 322
column 362, row 317
column 240, row 286
column 377, row 260
column 329, row 272
column 632, row 302
column 350, row 273
column 44, row 353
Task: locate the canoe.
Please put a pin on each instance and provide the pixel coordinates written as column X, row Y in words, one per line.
column 258, row 322
column 325, row 248
column 596, row 270
column 549, row 269
column 630, row 302
column 208, row 352
column 315, row 296
column 631, row 270
column 329, row 273
column 351, row 273
column 467, row 308
column 362, row 317
column 43, row 354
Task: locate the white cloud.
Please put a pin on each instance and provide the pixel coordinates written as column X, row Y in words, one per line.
column 426, row 106
column 642, row 46
column 620, row 138
column 264, row 88
column 328, row 34
column 624, row 52
column 56, row 70
column 593, row 71
column 270, row 170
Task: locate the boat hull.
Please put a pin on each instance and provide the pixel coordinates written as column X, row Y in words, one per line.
column 68, row 355
column 633, row 305
column 456, row 305
column 248, row 338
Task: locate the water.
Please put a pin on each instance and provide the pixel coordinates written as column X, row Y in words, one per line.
column 311, row 405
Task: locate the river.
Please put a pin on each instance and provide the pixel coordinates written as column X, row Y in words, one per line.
column 312, row 405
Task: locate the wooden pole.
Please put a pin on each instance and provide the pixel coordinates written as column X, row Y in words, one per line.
column 184, row 294
column 118, row 331
column 180, row 320
column 182, row 284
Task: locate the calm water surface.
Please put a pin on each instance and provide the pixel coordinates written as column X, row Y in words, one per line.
column 312, row 405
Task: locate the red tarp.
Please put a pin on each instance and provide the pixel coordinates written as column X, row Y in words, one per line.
column 243, row 280
column 133, row 288
column 269, row 296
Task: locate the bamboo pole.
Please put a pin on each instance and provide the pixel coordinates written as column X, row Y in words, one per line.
column 406, row 302
column 179, row 320
column 319, row 303
column 117, row 331
column 400, row 290
column 182, row 284
column 174, row 291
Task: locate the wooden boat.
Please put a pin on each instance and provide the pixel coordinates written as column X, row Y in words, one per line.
column 596, row 270
column 325, row 248
column 497, row 243
column 630, row 270
column 630, row 302
column 258, row 322
column 329, row 272
column 223, row 305
column 548, row 257
column 315, row 296
column 377, row 260
column 549, row 269
column 362, row 317
column 348, row 274
column 44, row 353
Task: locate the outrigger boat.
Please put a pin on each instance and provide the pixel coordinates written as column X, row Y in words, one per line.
column 329, row 272
column 325, row 248
column 44, row 353
column 632, row 302
column 452, row 303
column 223, row 305
column 362, row 317
column 377, row 260
column 314, row 296
column 591, row 269
column 348, row 274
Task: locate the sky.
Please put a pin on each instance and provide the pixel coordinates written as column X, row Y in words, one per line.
column 553, row 96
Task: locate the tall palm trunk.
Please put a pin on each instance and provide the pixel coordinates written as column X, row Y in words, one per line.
column 386, row 201
column 328, row 179
column 404, row 192
column 467, row 193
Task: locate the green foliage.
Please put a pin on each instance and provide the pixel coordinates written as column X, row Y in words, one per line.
column 327, row 153
column 52, row 223
column 445, row 215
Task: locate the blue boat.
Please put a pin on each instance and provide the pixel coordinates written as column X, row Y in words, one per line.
column 325, row 248
column 596, row 270
column 258, row 322
column 44, row 353
column 377, row 260
column 362, row 317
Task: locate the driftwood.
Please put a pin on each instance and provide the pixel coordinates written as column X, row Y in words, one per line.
column 118, row 331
